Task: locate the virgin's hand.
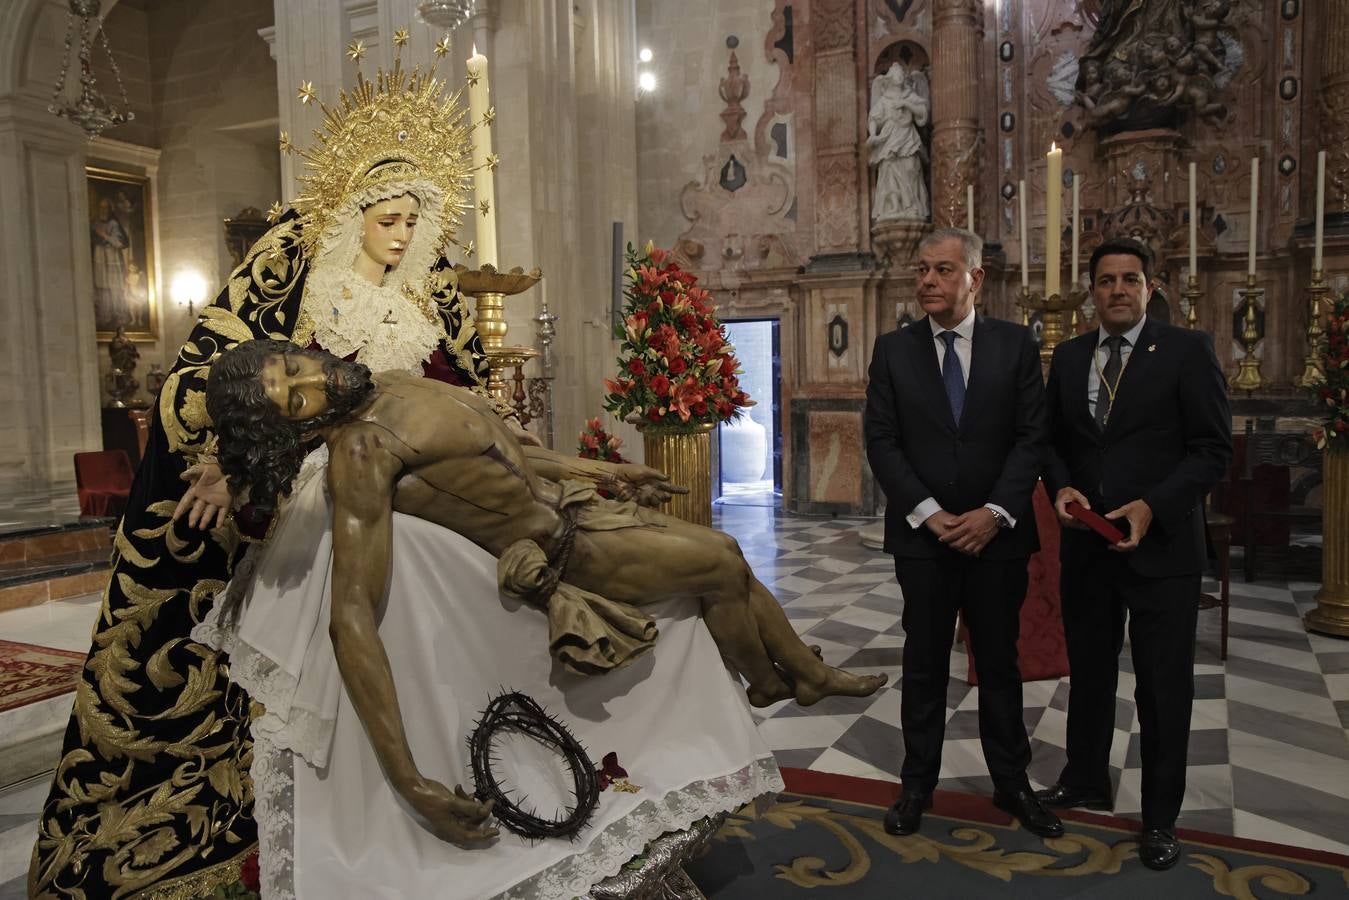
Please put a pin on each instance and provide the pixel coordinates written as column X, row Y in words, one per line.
column 451, row 816
column 207, row 498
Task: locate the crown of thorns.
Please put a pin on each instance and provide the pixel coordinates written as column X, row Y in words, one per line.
column 513, row 711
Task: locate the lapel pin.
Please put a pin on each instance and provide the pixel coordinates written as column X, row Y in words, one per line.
column 1151, row 347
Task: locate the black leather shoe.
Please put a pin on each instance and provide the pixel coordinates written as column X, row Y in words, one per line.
column 1060, row 796
column 1030, row 811
column 1159, row 848
column 907, row 813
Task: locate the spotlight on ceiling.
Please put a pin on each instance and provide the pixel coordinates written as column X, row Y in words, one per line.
column 645, row 55
column 647, row 81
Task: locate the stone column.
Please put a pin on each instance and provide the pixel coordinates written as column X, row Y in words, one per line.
column 957, row 30
column 840, row 182
column 1334, row 103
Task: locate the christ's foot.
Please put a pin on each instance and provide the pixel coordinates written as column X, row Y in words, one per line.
column 759, row 698
column 831, row 682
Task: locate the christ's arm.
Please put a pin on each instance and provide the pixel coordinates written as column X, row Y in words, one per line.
column 628, row 481
column 361, row 477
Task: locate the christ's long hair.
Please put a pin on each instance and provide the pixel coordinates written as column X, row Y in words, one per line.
column 260, row 450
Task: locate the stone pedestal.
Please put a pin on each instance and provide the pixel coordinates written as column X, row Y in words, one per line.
column 1331, row 615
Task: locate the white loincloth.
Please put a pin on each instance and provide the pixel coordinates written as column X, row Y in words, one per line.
column 330, row 825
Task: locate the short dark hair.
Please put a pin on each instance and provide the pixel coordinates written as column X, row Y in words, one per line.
column 1128, row 246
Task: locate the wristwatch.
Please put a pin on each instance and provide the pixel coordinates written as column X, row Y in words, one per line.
column 999, row 518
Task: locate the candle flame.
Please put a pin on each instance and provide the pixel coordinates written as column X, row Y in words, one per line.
column 475, row 50
column 1053, row 146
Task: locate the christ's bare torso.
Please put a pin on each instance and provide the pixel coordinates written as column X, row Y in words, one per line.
column 461, row 467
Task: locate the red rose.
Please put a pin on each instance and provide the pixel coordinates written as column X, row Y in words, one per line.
column 248, row 874
column 688, row 321
column 1341, row 426
column 677, row 366
column 661, row 385
column 653, row 414
column 699, row 408
column 636, row 367
column 727, row 366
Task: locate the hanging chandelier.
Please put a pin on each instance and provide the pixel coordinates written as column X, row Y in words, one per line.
column 91, row 111
column 447, row 14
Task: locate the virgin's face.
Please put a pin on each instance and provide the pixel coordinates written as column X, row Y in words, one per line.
column 387, row 229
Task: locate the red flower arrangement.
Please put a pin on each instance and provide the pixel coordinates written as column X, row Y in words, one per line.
column 596, row 443
column 675, row 366
column 1334, row 393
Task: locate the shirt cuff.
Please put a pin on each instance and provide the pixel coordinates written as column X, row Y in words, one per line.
column 1011, row 523
column 920, row 513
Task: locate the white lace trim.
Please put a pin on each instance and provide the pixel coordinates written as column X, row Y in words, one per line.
column 620, row 841
column 349, row 312
column 382, row 325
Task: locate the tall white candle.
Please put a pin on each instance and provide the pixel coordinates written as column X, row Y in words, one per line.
column 1077, row 225
column 1053, row 219
column 969, row 207
column 1194, row 223
column 484, row 179
column 1317, row 257
column 1255, row 205
column 1025, row 247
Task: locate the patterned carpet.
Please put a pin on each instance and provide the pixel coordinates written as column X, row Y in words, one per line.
column 824, row 839
column 29, row 673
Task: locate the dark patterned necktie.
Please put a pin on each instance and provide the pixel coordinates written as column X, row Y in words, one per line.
column 1105, row 394
column 953, row 376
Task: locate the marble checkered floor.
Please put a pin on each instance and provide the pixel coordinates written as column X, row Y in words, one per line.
column 1269, row 746
column 1269, row 753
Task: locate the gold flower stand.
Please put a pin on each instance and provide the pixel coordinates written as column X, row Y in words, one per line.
column 684, row 452
column 1331, row 615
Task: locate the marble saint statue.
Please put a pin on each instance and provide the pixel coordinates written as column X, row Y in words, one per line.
column 900, row 104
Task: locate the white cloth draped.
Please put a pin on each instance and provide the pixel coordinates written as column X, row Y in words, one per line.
column 329, row 823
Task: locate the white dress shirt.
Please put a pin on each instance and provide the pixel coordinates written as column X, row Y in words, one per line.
column 964, row 346
column 1103, row 355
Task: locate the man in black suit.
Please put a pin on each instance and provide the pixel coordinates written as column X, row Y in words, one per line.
column 1139, row 430
column 955, row 430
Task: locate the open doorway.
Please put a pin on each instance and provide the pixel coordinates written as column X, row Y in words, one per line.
column 750, row 448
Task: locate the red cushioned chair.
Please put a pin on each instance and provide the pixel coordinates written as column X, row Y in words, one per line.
column 103, row 478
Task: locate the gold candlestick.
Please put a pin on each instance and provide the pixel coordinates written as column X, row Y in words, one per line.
column 1249, row 377
column 1053, row 318
column 1192, row 294
column 490, row 288
column 1312, row 372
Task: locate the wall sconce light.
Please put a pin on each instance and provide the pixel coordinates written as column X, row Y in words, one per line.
column 646, row 82
column 645, row 55
column 188, row 289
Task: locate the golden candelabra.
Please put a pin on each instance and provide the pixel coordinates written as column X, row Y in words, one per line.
column 1192, row 295
column 1249, row 377
column 1312, row 372
column 489, row 289
column 1055, row 312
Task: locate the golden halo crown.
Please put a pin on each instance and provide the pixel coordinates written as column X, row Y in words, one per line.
column 399, row 130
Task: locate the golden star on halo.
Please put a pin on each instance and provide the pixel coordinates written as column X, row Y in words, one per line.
column 286, row 145
column 492, row 161
column 485, row 207
column 442, row 46
column 274, row 211
column 400, row 37
column 356, row 50
column 306, row 92
column 489, row 116
column 469, row 248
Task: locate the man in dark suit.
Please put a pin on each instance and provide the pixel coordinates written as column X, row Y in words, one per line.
column 1140, row 431
column 955, row 430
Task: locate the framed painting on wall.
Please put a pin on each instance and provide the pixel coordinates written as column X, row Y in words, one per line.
column 122, row 254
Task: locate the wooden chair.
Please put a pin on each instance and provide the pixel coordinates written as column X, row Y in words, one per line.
column 1220, row 535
